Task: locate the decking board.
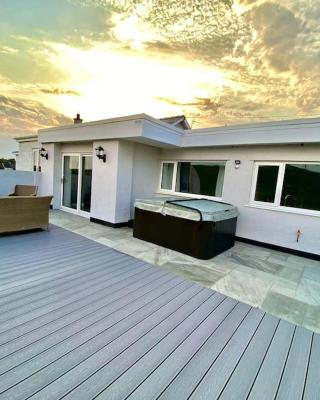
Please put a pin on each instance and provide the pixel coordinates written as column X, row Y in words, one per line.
column 79, row 320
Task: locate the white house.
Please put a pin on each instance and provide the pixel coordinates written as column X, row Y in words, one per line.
column 270, row 171
column 27, row 158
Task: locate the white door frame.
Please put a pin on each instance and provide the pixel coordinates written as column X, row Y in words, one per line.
column 77, row 211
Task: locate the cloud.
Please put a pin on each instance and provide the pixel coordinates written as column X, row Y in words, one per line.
column 8, row 50
column 277, row 31
column 28, row 28
column 31, row 63
column 206, row 104
column 59, row 20
column 22, row 116
column 210, row 28
column 69, row 53
column 60, row 92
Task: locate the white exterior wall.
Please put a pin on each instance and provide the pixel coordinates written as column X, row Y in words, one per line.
column 264, row 225
column 104, row 182
column 111, row 182
column 146, row 170
column 51, row 173
column 124, row 181
column 131, row 171
column 24, row 160
column 77, row 147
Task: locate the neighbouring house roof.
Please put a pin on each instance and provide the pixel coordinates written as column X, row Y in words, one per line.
column 179, row 121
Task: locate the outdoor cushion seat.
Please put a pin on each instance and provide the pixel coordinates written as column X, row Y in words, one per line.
column 24, row 190
column 21, row 213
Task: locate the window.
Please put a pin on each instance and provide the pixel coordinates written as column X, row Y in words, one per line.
column 267, row 183
column 301, row 186
column 167, row 176
column 288, row 185
column 196, row 177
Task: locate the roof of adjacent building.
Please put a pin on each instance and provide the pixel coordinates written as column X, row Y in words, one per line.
column 179, row 120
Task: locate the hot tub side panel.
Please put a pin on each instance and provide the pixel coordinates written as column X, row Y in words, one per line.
column 199, row 239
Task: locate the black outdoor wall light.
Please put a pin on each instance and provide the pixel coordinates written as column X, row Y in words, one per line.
column 101, row 154
column 43, row 153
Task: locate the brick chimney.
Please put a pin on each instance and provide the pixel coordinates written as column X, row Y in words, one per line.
column 77, row 120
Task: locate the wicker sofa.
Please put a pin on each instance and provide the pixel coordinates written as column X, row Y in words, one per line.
column 24, row 190
column 23, row 213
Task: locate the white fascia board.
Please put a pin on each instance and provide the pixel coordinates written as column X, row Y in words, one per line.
column 23, row 139
column 259, row 125
column 264, row 134
column 134, row 127
column 92, row 123
column 92, row 132
column 144, row 128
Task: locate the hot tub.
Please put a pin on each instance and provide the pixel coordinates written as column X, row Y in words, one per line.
column 200, row 228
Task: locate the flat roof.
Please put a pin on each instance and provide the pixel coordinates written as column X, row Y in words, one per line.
column 29, row 138
column 146, row 129
column 112, row 121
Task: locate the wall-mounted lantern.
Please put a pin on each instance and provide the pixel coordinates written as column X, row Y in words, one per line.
column 43, row 153
column 101, row 154
column 237, row 164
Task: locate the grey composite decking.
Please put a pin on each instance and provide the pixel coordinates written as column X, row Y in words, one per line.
column 81, row 321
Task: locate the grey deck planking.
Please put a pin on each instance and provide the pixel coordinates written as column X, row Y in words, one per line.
column 146, row 333
column 221, row 369
column 294, row 375
column 20, row 291
column 10, row 257
column 51, row 268
column 93, row 340
column 71, row 292
column 159, row 366
column 84, row 316
column 267, row 381
column 80, row 307
column 311, row 391
column 77, row 326
column 78, row 281
column 244, row 373
column 44, row 240
column 178, row 323
column 61, row 305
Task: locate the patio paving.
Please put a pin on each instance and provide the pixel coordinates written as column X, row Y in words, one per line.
column 79, row 320
column 284, row 285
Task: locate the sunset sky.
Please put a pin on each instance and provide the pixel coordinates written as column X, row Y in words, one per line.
column 218, row 62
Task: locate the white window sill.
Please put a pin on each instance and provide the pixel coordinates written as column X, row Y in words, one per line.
column 285, row 209
column 189, row 195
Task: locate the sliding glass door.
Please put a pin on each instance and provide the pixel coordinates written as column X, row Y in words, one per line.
column 86, row 179
column 76, row 183
column 70, row 182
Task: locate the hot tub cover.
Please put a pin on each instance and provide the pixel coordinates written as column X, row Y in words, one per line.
column 192, row 209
